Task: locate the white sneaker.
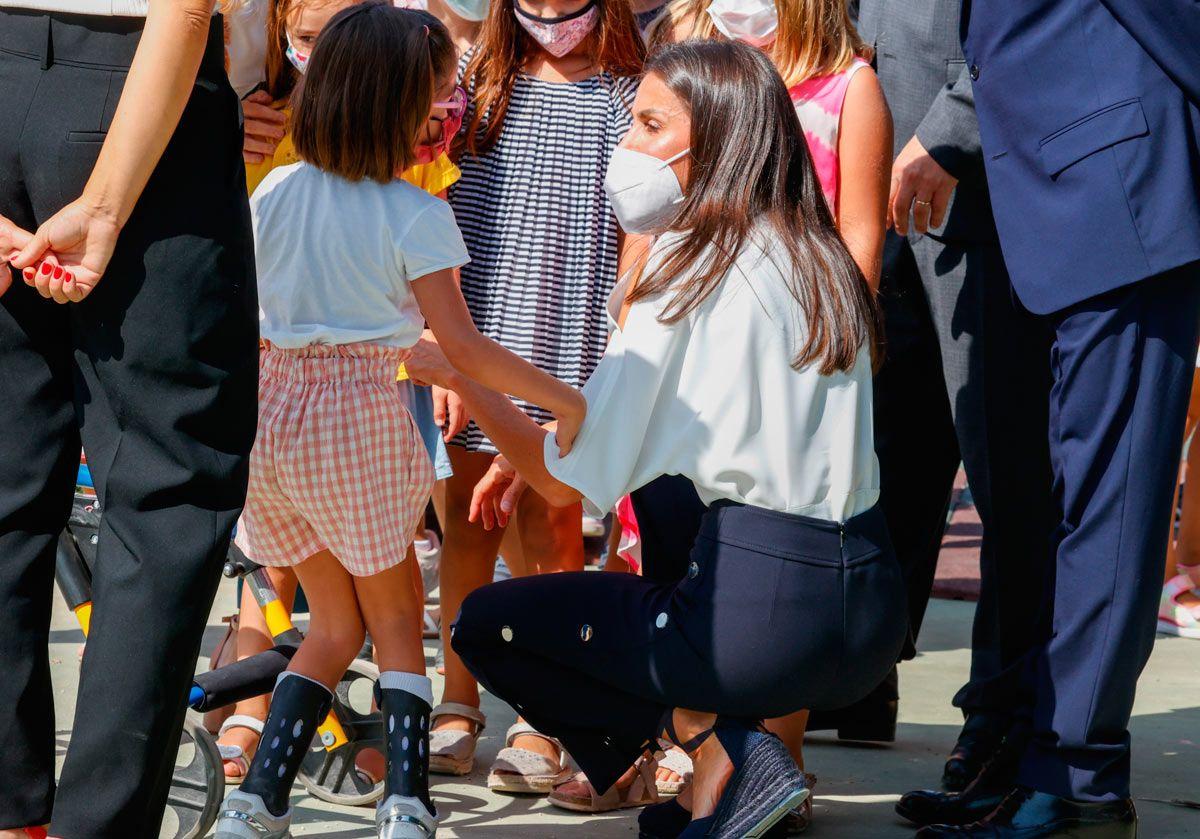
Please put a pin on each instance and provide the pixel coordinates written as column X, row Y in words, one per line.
column 245, row 816
column 429, row 557
column 593, row 528
column 400, row 817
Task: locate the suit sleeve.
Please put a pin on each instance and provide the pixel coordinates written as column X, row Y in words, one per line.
column 950, row 130
column 1169, row 31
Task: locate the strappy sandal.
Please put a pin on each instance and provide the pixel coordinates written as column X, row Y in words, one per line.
column 639, row 793
column 800, row 818
column 224, row 653
column 452, row 752
column 433, row 623
column 236, row 755
column 526, row 771
column 677, row 761
column 765, row 786
column 1173, row 617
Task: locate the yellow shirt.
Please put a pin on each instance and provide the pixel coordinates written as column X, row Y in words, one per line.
column 432, row 177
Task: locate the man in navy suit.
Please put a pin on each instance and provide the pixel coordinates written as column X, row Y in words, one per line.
column 1089, row 111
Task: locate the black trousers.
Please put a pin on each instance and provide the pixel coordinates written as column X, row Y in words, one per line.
column 774, row 613
column 156, row 372
column 966, row 378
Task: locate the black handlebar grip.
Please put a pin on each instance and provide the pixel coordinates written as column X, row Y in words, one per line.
column 249, row 677
column 71, row 572
column 237, row 564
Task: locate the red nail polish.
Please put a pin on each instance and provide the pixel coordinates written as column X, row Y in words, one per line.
column 29, row 274
column 47, row 267
column 58, row 272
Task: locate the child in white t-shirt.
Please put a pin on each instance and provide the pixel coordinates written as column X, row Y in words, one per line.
column 351, row 264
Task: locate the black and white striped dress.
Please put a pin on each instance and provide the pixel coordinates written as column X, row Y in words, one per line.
column 539, row 228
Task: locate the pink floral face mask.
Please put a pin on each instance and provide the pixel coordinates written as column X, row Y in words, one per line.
column 559, row 35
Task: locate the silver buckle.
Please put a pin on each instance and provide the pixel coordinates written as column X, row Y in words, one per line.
column 394, row 818
column 248, row 819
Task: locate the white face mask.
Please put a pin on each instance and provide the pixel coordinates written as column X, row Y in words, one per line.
column 474, row 10
column 643, row 190
column 751, row 21
column 299, row 60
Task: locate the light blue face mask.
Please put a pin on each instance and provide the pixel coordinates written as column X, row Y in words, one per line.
column 475, row 10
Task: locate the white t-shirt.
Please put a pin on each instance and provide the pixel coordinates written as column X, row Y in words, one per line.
column 335, row 257
column 713, row 397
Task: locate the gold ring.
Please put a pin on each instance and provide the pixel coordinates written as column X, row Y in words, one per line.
column 922, row 203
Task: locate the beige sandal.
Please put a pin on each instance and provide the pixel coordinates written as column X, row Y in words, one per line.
column 675, row 760
column 638, row 794
column 236, row 755
column 452, row 752
column 524, row 770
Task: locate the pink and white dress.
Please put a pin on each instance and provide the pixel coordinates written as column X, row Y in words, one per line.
column 819, row 102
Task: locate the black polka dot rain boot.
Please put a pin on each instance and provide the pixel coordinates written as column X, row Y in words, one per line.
column 258, row 809
column 406, row 812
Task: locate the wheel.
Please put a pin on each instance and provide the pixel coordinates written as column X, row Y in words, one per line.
column 330, row 775
column 197, row 787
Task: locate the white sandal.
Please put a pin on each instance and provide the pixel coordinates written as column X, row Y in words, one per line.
column 675, row 760
column 236, row 754
column 1173, row 617
column 452, row 752
column 524, row 770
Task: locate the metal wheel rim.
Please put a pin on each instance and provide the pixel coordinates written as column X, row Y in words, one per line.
column 330, row 776
column 197, row 787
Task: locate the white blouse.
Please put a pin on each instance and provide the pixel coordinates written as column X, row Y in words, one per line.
column 713, row 397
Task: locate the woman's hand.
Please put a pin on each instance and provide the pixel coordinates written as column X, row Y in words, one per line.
column 428, row 365
column 67, row 256
column 566, row 426
column 12, row 240
column 264, row 127
column 496, row 494
column 449, row 412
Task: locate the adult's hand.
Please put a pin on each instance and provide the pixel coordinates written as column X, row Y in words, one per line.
column 919, row 182
column 496, row 495
column 264, row 127
column 428, row 365
column 449, row 412
column 12, row 240
column 65, row 259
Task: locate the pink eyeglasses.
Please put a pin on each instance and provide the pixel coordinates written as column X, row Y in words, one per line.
column 456, row 105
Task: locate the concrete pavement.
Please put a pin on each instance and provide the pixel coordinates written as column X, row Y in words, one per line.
column 857, row 785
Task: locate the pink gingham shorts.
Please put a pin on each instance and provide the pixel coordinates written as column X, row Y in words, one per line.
column 338, row 463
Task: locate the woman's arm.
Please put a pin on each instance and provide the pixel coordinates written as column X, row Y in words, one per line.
column 83, row 234
column 490, row 364
column 519, row 438
column 865, row 161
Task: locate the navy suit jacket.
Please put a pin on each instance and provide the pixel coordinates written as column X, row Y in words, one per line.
column 1089, row 113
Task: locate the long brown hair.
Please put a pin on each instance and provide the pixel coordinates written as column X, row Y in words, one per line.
column 751, row 171
column 504, row 47
column 814, row 38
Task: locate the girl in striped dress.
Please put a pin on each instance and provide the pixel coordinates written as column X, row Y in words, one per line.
column 550, row 84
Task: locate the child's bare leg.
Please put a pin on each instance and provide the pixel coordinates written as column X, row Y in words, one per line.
column 392, row 610
column 790, row 730
column 253, row 637
column 303, row 694
column 468, row 559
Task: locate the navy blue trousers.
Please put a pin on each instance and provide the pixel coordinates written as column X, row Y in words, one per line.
column 1122, row 364
column 774, row 613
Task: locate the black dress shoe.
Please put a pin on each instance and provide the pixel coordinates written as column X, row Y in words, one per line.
column 983, row 795
column 871, row 719
column 1038, row 815
column 981, row 735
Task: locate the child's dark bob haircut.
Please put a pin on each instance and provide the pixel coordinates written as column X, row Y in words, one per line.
column 366, row 94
